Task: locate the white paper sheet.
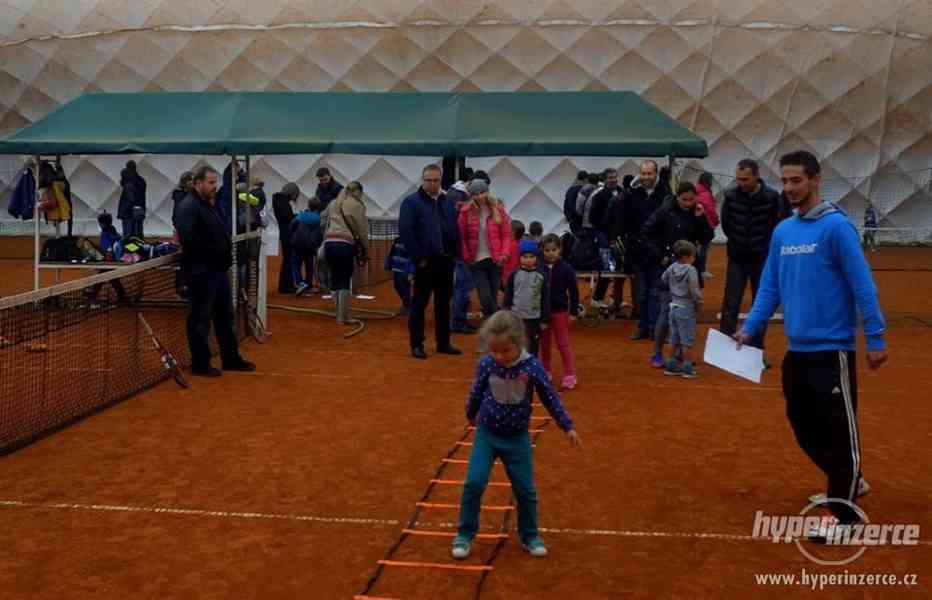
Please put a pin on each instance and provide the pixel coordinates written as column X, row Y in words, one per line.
column 721, row 351
column 270, row 241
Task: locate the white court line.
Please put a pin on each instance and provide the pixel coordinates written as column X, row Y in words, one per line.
column 364, row 521
column 197, row 512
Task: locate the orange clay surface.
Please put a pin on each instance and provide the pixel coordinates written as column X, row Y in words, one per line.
column 293, row 482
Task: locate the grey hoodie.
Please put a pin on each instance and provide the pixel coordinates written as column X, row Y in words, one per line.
column 683, row 280
column 820, row 210
column 583, row 205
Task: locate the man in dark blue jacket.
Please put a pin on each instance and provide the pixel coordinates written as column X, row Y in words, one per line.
column 206, row 257
column 430, row 233
column 327, row 189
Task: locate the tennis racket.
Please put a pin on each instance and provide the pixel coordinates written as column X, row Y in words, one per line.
column 255, row 321
column 168, row 361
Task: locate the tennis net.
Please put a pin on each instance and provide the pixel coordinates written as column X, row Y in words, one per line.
column 74, row 349
column 382, row 233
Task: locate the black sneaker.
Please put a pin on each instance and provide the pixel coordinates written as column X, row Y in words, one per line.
column 418, row 352
column 208, row 372
column 449, row 350
column 243, row 366
column 466, row 329
column 640, row 335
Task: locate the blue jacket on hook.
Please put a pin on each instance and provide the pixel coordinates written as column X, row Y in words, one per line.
column 23, row 201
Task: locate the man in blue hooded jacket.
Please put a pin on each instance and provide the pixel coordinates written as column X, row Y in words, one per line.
column 816, row 269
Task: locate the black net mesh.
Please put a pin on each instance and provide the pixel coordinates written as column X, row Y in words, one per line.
column 74, row 349
column 382, row 232
column 247, row 279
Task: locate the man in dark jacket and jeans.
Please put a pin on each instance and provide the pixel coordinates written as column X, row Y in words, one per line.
column 607, row 205
column 132, row 207
column 207, row 254
column 680, row 219
column 429, row 231
column 282, row 205
column 645, row 197
column 750, row 212
column 327, row 188
column 573, row 218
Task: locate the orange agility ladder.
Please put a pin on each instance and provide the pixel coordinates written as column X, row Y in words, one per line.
column 411, row 531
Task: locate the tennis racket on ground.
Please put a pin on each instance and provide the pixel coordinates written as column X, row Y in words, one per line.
column 168, row 361
column 255, row 321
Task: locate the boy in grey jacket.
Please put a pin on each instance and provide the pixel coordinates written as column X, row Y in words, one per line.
column 528, row 294
column 686, row 296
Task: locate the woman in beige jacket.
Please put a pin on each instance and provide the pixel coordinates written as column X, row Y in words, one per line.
column 345, row 226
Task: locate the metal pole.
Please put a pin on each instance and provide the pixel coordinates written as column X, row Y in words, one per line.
column 37, row 283
column 671, row 162
column 234, row 276
column 263, row 297
column 248, row 191
column 57, row 223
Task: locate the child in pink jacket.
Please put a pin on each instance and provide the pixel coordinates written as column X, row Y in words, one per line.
column 485, row 234
column 707, row 200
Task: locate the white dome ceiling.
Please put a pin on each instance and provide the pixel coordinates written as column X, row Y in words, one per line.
column 848, row 79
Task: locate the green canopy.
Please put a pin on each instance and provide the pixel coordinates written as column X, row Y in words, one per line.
column 414, row 124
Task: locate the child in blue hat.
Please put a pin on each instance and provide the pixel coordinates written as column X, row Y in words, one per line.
column 528, row 293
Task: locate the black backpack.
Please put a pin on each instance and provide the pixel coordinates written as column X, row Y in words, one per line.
column 585, row 255
column 568, row 242
column 63, row 249
column 307, row 238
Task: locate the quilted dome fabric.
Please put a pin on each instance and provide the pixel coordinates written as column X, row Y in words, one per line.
column 848, row 79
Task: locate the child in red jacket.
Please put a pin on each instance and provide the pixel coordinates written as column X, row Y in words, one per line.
column 517, row 232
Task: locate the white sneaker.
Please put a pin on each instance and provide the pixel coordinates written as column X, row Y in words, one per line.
column 864, row 489
column 461, row 548
column 536, row 548
column 598, row 304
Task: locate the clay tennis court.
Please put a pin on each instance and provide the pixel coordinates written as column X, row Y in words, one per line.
column 295, row 481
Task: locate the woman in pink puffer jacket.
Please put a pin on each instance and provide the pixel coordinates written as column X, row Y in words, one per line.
column 707, row 200
column 485, row 231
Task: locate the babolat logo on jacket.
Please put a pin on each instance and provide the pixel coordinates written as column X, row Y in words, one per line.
column 800, row 249
column 816, row 269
